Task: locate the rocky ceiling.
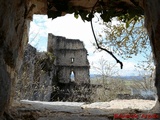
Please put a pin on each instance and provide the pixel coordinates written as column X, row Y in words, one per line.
column 110, row 8
column 88, row 4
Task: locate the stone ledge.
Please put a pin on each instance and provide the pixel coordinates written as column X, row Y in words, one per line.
column 80, row 111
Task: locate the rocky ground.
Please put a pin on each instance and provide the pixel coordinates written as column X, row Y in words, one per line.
column 38, row 110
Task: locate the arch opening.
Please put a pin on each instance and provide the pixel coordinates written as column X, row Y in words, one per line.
column 72, row 76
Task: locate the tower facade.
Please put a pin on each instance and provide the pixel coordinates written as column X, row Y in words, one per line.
column 71, row 57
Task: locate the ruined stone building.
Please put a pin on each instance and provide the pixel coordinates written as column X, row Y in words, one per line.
column 36, row 75
column 71, row 56
column 41, row 71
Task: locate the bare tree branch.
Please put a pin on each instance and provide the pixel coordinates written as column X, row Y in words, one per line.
column 99, row 47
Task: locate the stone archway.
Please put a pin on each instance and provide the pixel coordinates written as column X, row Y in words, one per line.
column 14, row 26
column 73, row 76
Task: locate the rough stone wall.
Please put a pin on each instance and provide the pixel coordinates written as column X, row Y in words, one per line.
column 152, row 22
column 44, row 74
column 58, row 42
column 25, row 78
column 45, row 87
column 82, row 74
column 15, row 16
column 35, row 78
column 71, row 56
column 12, row 28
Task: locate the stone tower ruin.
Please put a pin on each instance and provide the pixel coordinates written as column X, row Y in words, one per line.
column 71, row 57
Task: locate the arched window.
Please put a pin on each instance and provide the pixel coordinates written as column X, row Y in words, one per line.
column 72, row 77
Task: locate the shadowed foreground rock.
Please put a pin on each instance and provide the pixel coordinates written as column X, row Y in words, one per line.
column 36, row 110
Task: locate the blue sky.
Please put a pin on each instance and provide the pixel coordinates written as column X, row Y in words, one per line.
column 73, row 28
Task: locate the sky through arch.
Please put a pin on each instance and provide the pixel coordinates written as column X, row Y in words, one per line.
column 73, row 28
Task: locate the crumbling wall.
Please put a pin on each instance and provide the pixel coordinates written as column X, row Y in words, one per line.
column 35, row 76
column 71, row 56
column 39, row 71
column 25, row 78
column 82, row 74
column 44, row 76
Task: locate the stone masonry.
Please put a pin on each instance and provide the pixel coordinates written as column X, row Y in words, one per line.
column 71, row 56
column 39, row 72
column 35, row 77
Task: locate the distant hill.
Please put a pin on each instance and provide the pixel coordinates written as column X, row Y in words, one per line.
column 94, row 76
column 130, row 77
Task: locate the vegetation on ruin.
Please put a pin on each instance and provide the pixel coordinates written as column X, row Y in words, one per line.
column 46, row 61
column 32, row 68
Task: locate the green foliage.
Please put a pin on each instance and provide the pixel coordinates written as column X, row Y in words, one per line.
column 126, row 39
column 76, row 15
column 85, row 15
column 46, row 61
column 125, row 13
column 50, row 56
